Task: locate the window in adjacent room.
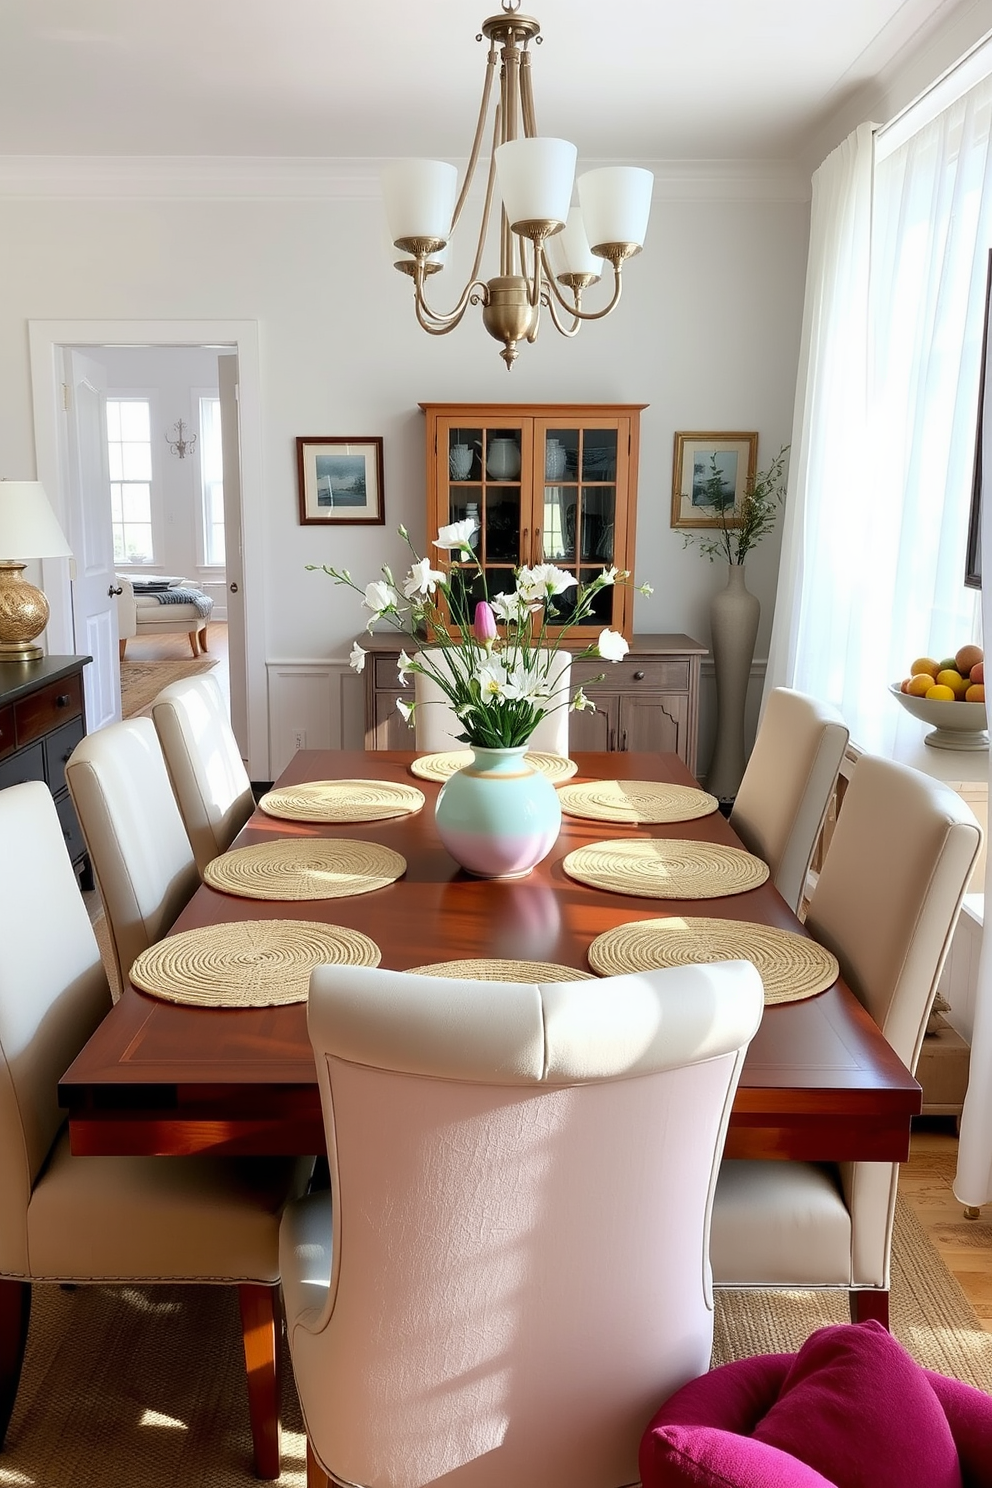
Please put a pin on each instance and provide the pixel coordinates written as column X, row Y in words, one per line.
column 130, row 452
column 211, row 482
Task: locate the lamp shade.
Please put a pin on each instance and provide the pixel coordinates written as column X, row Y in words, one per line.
column 570, row 251
column 536, row 177
column 28, row 526
column 615, row 201
column 419, row 197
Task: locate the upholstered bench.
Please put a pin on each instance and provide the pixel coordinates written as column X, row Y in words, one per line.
column 162, row 606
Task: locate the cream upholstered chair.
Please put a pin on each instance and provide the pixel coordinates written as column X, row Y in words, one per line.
column 787, row 785
column 107, row 1219
column 204, row 762
column 514, row 1266
column 141, row 855
column 886, row 903
column 437, row 727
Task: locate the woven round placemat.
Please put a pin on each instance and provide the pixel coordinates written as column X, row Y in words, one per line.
column 665, row 868
column 791, row 966
column 635, row 801
column 503, row 971
column 305, row 868
column 342, row 800
column 439, row 766
column 255, row 963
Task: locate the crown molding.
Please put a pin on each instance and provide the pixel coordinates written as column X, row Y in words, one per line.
column 296, row 178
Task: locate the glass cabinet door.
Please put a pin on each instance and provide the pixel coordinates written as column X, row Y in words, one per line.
column 579, row 474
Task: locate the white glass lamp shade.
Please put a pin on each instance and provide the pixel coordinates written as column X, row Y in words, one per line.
column 28, row 526
column 419, row 196
column 616, row 201
column 570, row 251
column 536, row 177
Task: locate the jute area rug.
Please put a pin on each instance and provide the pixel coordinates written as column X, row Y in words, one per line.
column 142, row 681
column 145, row 1386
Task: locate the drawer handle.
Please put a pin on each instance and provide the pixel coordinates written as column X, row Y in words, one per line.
column 63, row 700
column 638, row 676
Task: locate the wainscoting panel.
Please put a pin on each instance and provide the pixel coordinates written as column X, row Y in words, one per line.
column 313, row 705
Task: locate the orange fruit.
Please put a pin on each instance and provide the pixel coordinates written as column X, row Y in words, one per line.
column 975, row 693
column 941, row 694
column 949, row 677
column 919, row 685
column 924, row 664
column 967, row 657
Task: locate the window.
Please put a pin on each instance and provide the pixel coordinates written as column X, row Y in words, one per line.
column 211, row 482
column 130, row 451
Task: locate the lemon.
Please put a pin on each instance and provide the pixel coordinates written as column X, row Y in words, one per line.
column 953, row 679
column 941, row 694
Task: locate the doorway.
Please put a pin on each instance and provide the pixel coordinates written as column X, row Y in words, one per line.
column 54, row 345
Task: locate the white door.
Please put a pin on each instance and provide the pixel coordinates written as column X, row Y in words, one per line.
column 230, row 434
column 91, row 536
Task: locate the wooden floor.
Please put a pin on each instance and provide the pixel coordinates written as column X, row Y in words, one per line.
column 176, row 648
column 965, row 1246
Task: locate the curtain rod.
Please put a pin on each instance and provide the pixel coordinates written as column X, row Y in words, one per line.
column 971, row 68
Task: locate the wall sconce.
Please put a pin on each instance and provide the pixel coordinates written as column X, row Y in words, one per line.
column 179, row 445
column 28, row 527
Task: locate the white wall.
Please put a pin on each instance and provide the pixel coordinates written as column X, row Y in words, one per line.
column 172, row 379
column 707, row 334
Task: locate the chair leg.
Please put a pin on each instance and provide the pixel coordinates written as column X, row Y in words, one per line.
column 203, row 640
column 316, row 1476
column 15, row 1311
column 192, row 643
column 122, row 647
column 869, row 1304
column 260, row 1331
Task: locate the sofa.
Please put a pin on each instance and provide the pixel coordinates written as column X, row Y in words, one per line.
column 161, row 606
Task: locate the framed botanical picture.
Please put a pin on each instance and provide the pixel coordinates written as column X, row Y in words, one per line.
column 340, row 480
column 710, row 476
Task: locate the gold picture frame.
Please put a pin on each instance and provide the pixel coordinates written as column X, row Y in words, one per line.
column 699, row 457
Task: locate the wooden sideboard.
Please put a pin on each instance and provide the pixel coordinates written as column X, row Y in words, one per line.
column 42, row 719
column 649, row 701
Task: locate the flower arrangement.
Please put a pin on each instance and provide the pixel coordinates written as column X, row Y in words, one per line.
column 500, row 669
column 736, row 536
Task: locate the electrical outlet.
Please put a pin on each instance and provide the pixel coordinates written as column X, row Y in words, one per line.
column 300, row 739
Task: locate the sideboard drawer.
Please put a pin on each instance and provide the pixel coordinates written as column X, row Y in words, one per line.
column 29, row 764
column 8, row 738
column 620, row 676
column 58, row 747
column 71, row 830
column 47, row 708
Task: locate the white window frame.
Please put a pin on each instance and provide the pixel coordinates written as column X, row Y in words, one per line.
column 145, row 395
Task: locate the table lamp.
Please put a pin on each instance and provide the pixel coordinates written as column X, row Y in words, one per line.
column 28, row 527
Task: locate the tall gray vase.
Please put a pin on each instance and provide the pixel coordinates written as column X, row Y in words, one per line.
column 734, row 613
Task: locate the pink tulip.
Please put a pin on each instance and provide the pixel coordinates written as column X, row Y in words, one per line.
column 485, row 623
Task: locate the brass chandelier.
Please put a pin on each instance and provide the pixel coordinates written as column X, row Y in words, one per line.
column 546, row 261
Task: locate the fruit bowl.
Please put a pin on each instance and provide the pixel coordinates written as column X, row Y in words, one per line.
column 956, row 725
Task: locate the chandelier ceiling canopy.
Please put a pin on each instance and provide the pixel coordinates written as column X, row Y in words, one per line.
column 550, row 251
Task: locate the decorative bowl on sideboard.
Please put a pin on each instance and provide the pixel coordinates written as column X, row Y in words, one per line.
column 957, row 725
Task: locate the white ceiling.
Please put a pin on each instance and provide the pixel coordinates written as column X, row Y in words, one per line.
column 624, row 79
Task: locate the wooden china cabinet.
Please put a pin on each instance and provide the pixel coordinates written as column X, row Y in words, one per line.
column 555, row 483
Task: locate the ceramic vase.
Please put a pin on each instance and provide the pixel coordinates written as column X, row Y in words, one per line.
column 734, row 614
column 498, row 816
column 503, row 459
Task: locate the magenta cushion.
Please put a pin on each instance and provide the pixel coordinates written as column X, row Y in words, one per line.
column 851, row 1409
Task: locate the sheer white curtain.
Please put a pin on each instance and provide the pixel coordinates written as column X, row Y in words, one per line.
column 879, row 521
column 827, row 485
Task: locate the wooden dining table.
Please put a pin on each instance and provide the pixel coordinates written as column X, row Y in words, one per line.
column 819, row 1081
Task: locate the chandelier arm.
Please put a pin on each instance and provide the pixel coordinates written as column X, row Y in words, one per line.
column 535, row 292
column 473, row 159
column 548, row 300
column 439, row 322
column 487, row 206
column 527, row 95
column 574, row 309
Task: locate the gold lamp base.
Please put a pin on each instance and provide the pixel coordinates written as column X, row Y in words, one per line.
column 24, row 613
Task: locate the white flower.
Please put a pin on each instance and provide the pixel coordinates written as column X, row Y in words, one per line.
column 456, row 534
column 404, row 666
column 611, row 645
column 542, row 581
column 645, row 588
column 380, row 597
column 511, row 609
column 422, row 579
column 357, row 658
column 492, row 681
column 529, row 686
column 608, row 576
column 406, row 709
column 581, row 702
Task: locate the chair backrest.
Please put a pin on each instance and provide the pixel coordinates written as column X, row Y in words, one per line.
column 787, row 785
column 53, row 993
column 522, row 1181
column 135, row 837
column 887, row 898
column 437, row 727
column 204, row 763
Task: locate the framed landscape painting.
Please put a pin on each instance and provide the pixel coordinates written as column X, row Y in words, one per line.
column 709, row 478
column 340, row 480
